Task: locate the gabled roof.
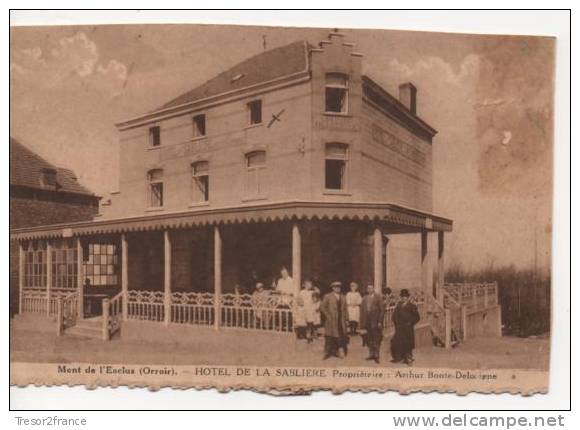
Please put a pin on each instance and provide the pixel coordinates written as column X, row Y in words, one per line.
column 266, row 66
column 27, row 169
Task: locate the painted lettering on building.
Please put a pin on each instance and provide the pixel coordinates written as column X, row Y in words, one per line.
column 183, row 150
column 339, row 123
column 397, row 145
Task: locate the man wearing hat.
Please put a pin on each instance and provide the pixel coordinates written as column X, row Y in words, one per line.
column 405, row 317
column 333, row 307
column 371, row 321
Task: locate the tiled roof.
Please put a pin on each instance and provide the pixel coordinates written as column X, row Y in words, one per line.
column 266, row 66
column 27, row 169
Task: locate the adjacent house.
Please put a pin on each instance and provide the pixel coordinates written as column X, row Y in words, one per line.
column 42, row 194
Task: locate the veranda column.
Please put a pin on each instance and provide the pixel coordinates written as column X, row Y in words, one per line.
column 80, row 281
column 21, row 258
column 167, row 278
column 48, row 276
column 426, row 275
column 217, row 275
column 440, row 262
column 378, row 259
column 124, row 275
column 296, row 258
column 387, row 277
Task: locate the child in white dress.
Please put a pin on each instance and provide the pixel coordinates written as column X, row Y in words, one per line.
column 353, row 302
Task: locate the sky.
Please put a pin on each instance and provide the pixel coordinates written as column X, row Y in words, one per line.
column 490, row 98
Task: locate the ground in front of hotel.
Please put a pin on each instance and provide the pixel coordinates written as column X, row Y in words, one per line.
column 237, row 347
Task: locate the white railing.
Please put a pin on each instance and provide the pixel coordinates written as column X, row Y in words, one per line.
column 192, row 308
column 145, row 305
column 67, row 311
column 34, row 300
column 56, row 294
column 260, row 311
column 112, row 313
column 474, row 296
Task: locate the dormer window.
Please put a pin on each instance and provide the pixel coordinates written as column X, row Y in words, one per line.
column 336, row 93
column 48, row 179
column 255, row 112
column 199, row 125
column 155, row 136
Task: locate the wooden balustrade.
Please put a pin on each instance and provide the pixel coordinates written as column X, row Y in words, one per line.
column 145, row 305
column 66, row 312
column 474, row 296
column 112, row 316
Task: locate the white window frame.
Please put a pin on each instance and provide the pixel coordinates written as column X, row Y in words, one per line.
column 194, row 182
column 344, row 87
column 345, row 158
column 256, row 173
column 151, row 182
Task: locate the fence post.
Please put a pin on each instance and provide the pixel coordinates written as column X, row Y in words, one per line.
column 21, row 272
column 464, row 321
column 485, row 297
column 447, row 328
column 473, row 296
column 105, row 326
column 59, row 317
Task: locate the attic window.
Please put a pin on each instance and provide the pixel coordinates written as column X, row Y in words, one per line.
column 237, row 77
column 48, row 178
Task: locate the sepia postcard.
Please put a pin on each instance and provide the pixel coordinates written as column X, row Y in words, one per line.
column 280, row 209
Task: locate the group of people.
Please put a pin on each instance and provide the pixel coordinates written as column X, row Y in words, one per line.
column 347, row 315
column 352, row 314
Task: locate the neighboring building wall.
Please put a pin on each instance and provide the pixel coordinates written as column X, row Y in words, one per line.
column 30, row 208
column 228, row 138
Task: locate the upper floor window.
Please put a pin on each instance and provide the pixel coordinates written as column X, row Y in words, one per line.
column 200, row 181
column 199, row 125
column 255, row 172
column 155, row 136
column 155, row 178
column 255, row 112
column 335, row 166
column 336, row 93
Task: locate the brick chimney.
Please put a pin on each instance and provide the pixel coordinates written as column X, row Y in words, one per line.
column 408, row 96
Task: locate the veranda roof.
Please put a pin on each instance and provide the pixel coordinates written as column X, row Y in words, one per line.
column 394, row 218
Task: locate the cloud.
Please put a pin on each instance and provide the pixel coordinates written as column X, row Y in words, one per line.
column 76, row 55
column 114, row 69
column 439, row 67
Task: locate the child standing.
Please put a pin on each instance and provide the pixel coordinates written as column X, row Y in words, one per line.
column 353, row 302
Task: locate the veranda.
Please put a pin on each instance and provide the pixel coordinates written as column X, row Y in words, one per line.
column 175, row 272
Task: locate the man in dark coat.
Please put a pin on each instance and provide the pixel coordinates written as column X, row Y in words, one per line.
column 333, row 307
column 372, row 312
column 405, row 317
